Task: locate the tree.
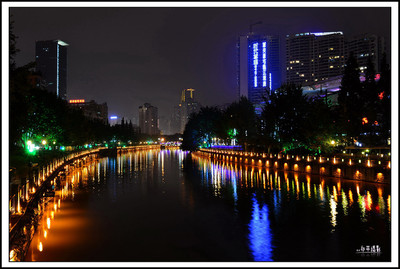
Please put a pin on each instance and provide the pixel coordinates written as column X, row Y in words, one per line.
column 349, row 100
column 370, row 100
column 241, row 116
column 384, row 93
column 201, row 128
column 319, row 128
column 285, row 116
column 13, row 50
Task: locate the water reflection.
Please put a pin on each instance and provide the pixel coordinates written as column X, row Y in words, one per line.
column 218, row 175
column 333, row 205
column 260, row 233
column 298, row 198
column 147, row 198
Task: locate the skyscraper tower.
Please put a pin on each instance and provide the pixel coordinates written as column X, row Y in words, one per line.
column 258, row 67
column 51, row 63
column 187, row 106
column 148, row 119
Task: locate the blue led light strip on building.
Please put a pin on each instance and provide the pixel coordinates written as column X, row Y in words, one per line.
column 58, row 70
column 255, row 62
column 264, row 63
column 270, row 81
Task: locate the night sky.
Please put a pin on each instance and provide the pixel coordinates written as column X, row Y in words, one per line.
column 129, row 56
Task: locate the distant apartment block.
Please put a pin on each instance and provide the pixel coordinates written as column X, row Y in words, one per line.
column 148, row 119
column 366, row 46
column 91, row 109
column 314, row 57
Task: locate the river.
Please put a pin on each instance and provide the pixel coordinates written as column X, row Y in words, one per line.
column 174, row 206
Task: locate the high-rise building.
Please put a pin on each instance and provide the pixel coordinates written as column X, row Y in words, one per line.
column 182, row 111
column 258, row 67
column 91, row 109
column 187, row 106
column 314, row 57
column 51, row 63
column 148, row 119
column 366, row 46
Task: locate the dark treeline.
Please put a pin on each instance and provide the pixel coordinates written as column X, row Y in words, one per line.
column 292, row 122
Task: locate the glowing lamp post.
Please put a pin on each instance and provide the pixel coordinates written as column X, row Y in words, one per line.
column 31, row 147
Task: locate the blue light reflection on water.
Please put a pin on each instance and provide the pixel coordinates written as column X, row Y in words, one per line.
column 260, row 235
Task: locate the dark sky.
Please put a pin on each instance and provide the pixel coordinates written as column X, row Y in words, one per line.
column 129, row 56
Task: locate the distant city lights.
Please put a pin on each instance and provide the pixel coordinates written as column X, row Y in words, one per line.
column 76, row 101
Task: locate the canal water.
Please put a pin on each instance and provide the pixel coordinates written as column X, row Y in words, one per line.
column 173, row 206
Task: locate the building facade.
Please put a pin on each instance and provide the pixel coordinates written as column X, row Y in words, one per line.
column 258, row 67
column 314, row 57
column 148, row 119
column 91, row 109
column 366, row 46
column 51, row 63
column 181, row 112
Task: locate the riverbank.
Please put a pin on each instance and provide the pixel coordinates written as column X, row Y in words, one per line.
column 25, row 213
column 371, row 170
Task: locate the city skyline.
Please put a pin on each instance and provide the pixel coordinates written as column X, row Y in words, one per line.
column 200, row 132
column 145, row 55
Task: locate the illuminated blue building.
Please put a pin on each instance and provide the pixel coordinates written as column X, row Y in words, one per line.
column 51, row 63
column 258, row 67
